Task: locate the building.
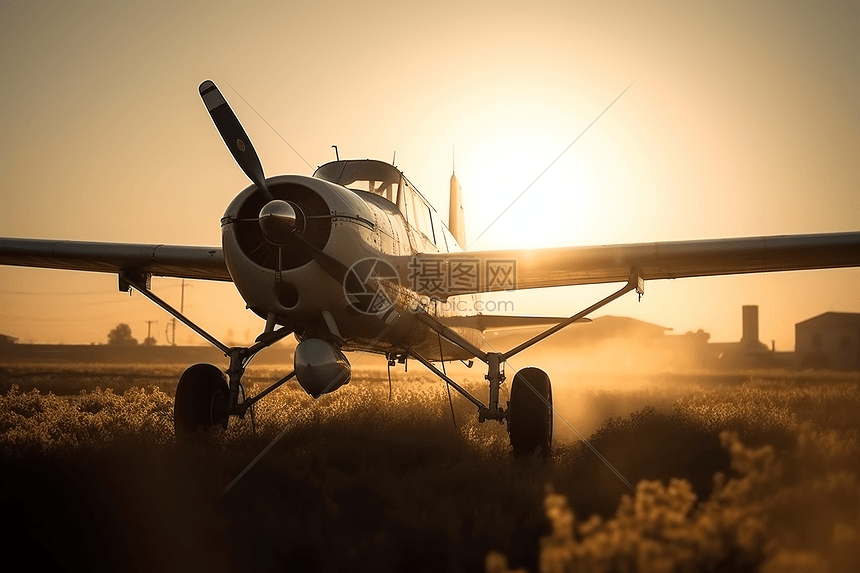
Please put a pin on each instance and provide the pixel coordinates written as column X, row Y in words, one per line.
column 830, row 340
column 7, row 340
column 750, row 352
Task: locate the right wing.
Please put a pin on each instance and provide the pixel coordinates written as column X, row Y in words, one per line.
column 161, row 260
column 447, row 274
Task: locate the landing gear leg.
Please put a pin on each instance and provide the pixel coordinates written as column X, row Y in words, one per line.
column 204, row 398
column 495, row 376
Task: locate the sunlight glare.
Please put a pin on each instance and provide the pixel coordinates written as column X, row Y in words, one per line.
column 549, row 213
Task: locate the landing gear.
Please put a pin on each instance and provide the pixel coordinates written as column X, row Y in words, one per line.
column 202, row 398
column 530, row 413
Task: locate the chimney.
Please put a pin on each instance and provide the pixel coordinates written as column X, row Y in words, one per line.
column 750, row 336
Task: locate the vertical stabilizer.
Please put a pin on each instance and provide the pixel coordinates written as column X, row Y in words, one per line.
column 456, row 215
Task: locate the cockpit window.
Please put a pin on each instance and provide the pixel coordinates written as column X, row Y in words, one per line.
column 364, row 175
column 386, row 181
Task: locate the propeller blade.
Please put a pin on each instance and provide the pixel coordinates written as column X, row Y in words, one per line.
column 234, row 136
column 336, row 269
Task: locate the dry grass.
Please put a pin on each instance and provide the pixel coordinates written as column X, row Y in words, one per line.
column 731, row 472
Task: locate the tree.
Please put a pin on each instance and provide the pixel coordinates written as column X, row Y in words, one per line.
column 121, row 336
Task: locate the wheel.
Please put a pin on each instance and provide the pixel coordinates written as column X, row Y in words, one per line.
column 201, row 399
column 530, row 413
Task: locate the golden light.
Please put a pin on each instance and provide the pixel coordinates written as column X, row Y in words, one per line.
column 521, row 198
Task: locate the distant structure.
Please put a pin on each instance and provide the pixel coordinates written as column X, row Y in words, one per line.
column 830, row 340
column 616, row 344
column 749, row 339
column 750, row 352
column 612, row 328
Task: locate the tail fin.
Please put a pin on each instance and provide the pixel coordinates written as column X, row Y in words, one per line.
column 456, row 215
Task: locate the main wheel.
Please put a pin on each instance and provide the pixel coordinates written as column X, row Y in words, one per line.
column 201, row 399
column 530, row 413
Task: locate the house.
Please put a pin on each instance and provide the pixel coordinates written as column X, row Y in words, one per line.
column 6, row 340
column 830, row 340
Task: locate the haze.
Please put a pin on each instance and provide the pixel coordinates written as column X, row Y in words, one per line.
column 743, row 120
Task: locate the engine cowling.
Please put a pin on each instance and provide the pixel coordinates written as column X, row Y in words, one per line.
column 274, row 270
column 321, row 367
column 311, row 220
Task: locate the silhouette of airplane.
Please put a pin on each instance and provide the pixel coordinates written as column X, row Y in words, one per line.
column 355, row 258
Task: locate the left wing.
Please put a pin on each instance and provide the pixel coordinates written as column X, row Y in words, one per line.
column 448, row 274
column 160, row 260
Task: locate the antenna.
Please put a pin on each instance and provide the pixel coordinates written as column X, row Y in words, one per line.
column 269, row 124
column 336, row 154
column 393, row 158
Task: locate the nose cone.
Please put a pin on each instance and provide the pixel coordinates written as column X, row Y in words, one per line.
column 277, row 221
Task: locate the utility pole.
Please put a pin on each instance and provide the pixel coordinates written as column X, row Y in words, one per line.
column 181, row 311
column 149, row 324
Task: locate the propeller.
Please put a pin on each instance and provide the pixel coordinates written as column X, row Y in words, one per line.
column 336, row 269
column 234, row 136
column 279, row 220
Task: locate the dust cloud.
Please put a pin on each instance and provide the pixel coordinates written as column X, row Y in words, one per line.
column 597, row 374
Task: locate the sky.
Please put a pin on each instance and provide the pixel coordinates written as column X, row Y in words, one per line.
column 742, row 120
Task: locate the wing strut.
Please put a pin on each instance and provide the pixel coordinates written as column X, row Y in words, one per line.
column 496, row 360
column 239, row 356
column 634, row 283
column 142, row 283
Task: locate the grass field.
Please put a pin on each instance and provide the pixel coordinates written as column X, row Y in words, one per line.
column 749, row 471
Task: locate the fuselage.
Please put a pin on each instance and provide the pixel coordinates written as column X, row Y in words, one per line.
column 368, row 216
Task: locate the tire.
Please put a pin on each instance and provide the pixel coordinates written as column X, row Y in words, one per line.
column 530, row 413
column 201, row 399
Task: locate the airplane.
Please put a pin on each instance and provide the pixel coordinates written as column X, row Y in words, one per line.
column 354, row 258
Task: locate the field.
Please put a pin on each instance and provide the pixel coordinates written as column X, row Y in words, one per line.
column 742, row 472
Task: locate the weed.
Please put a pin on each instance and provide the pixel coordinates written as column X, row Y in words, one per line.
column 737, row 473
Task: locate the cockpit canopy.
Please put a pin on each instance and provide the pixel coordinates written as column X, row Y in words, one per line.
column 385, row 180
column 370, row 175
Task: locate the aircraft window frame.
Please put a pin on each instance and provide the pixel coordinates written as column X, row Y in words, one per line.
column 439, row 228
column 367, row 175
column 422, row 220
column 387, row 181
column 432, row 223
column 403, row 204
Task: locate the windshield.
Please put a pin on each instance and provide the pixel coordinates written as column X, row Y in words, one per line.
column 387, row 181
column 364, row 175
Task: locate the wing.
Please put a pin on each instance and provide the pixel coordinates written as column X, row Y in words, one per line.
column 160, row 260
column 487, row 271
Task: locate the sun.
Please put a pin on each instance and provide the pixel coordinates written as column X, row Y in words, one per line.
column 522, row 190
